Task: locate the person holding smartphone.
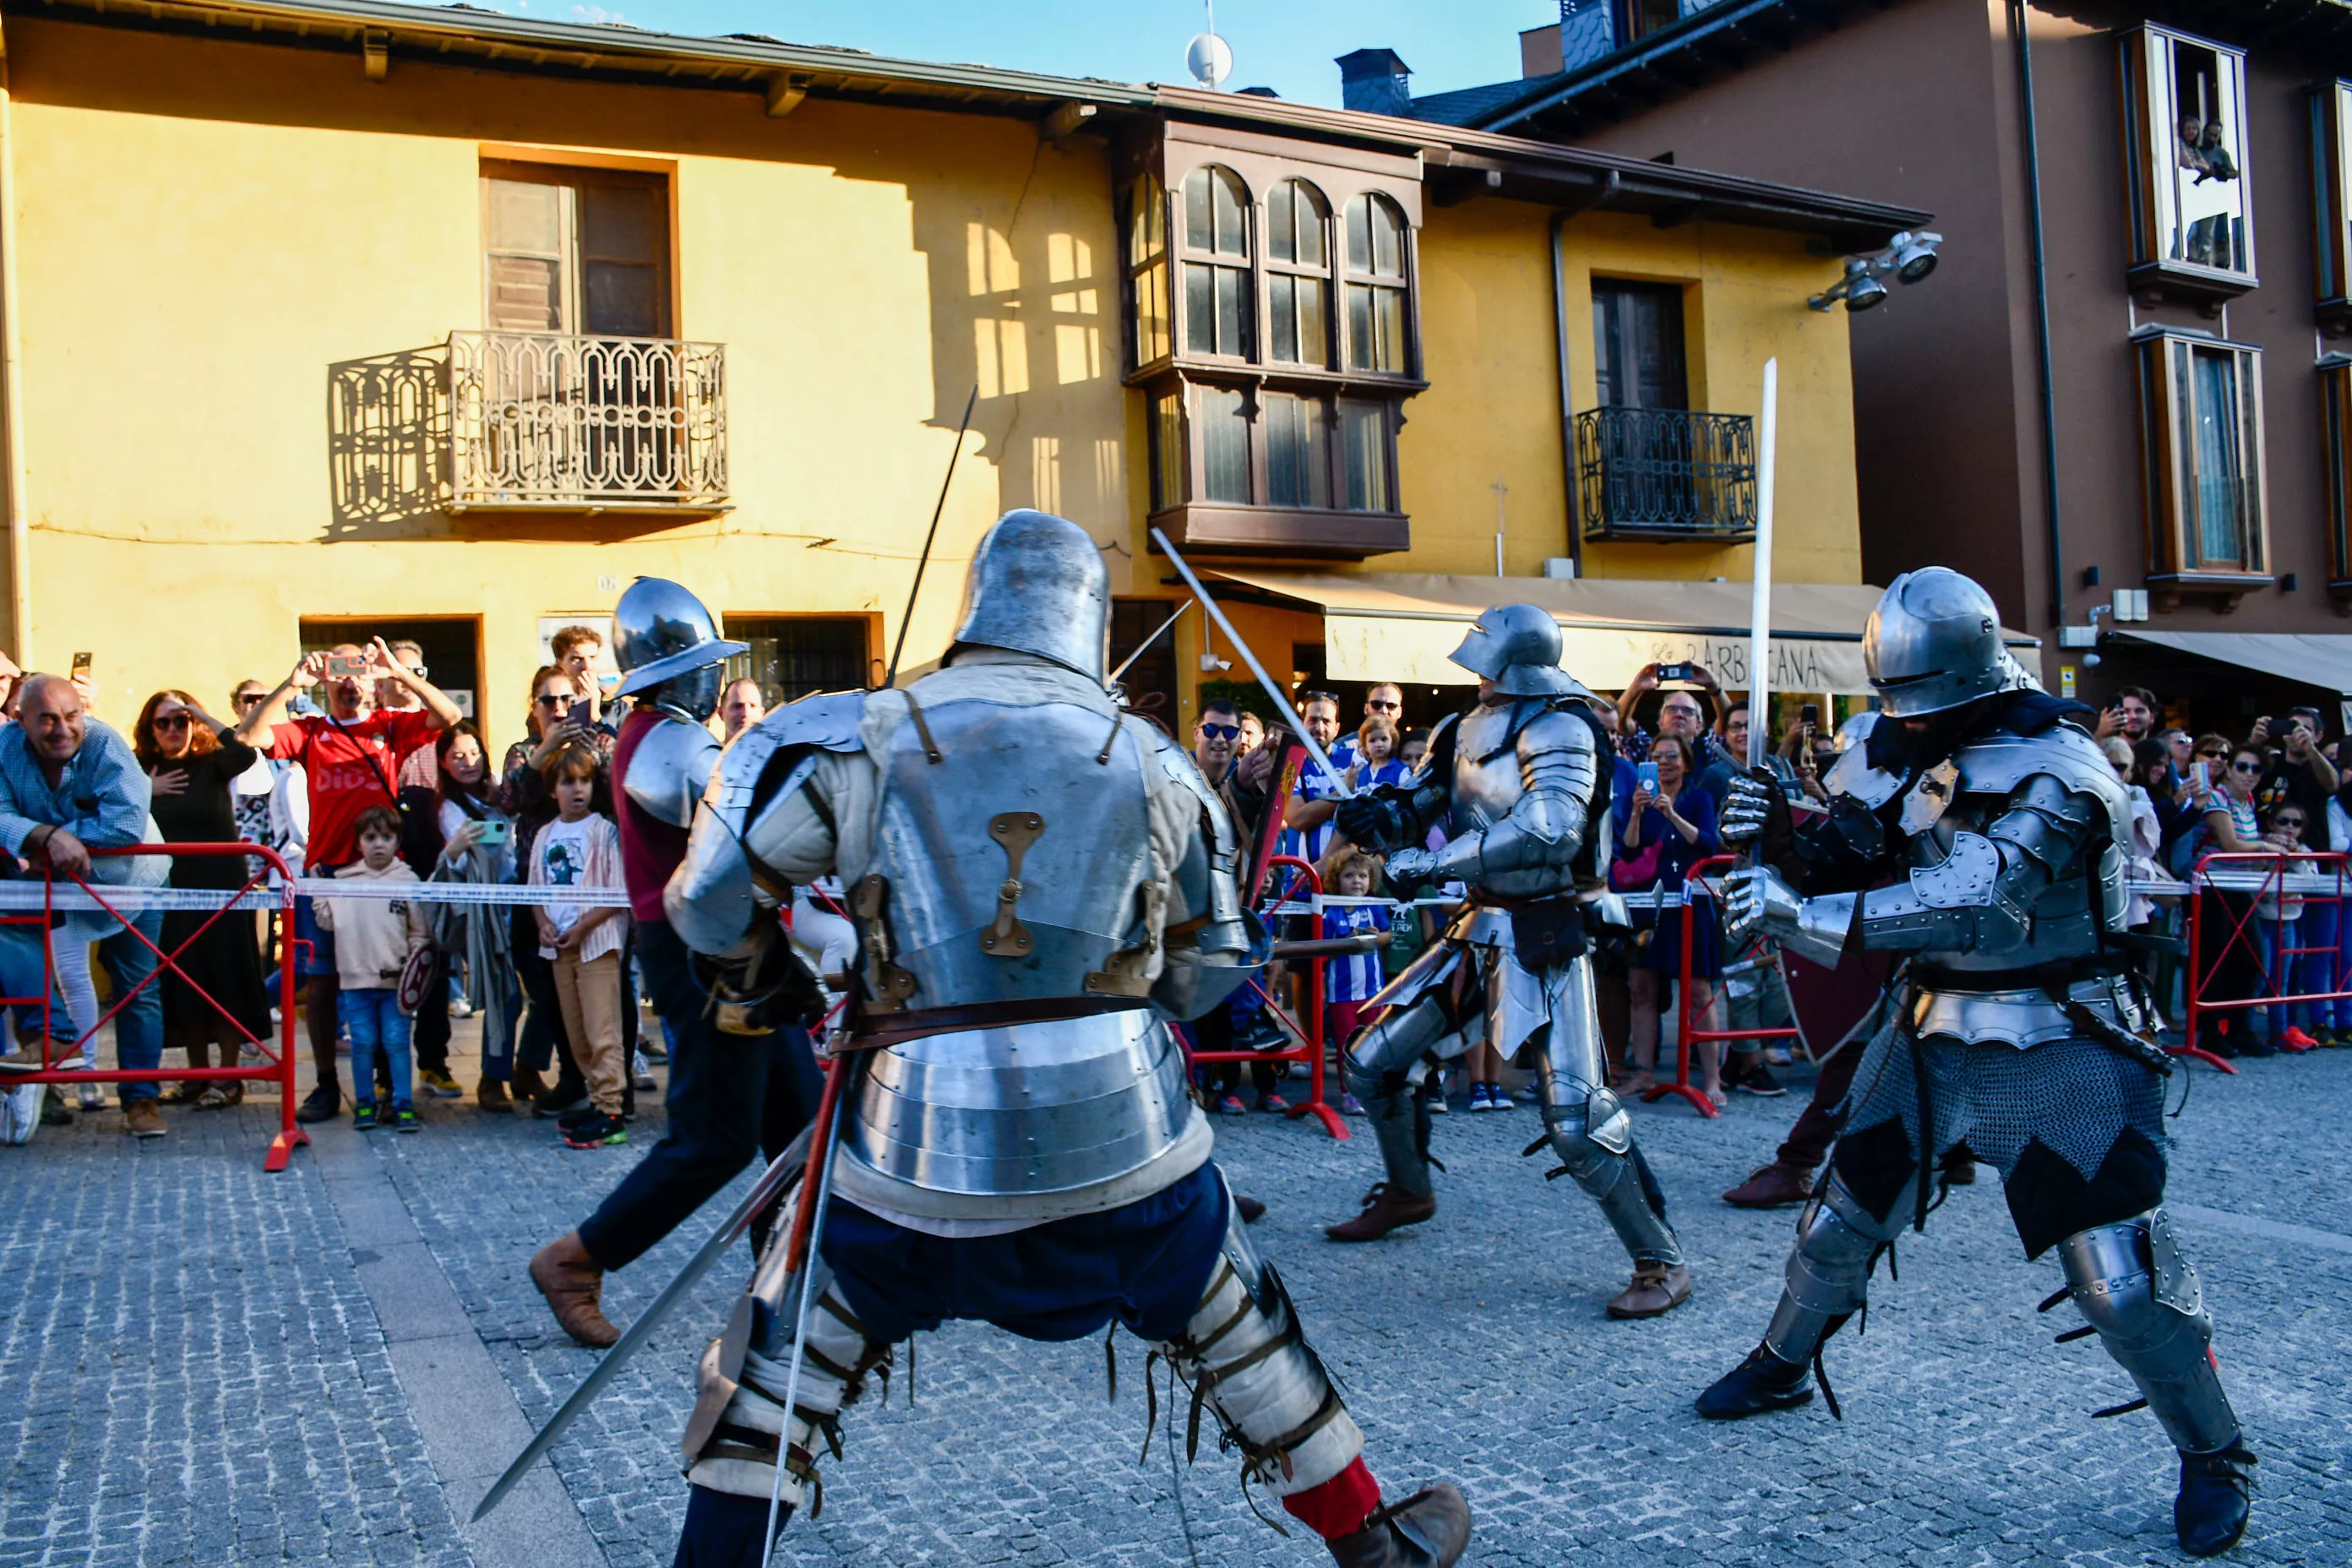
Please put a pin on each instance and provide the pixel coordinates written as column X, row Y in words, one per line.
column 1666, row 827
column 465, row 834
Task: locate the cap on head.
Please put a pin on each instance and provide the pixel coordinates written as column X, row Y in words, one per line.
column 1038, row 585
column 1517, row 646
column 1934, row 644
column 661, row 632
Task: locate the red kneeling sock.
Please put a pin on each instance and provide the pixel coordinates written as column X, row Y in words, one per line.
column 1339, row 1505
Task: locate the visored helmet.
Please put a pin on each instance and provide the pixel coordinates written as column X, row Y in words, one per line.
column 1038, row 585
column 663, row 638
column 1517, row 646
column 1934, row 644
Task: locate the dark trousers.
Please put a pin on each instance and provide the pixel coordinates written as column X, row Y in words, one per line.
column 1810, row 1139
column 731, row 1097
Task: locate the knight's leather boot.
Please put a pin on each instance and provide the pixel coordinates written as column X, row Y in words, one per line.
column 2209, row 1512
column 575, row 1288
column 1428, row 1529
column 1385, row 1210
column 1761, row 1383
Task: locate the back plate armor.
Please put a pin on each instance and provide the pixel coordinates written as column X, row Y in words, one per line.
column 1018, row 861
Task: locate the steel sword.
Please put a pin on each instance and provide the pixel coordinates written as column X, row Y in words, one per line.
column 1281, row 701
column 772, row 1180
column 1145, row 644
column 1759, row 634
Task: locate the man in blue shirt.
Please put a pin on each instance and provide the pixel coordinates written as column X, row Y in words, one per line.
column 70, row 783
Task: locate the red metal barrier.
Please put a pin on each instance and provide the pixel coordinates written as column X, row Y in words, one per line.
column 1686, row 1036
column 1310, row 1033
column 2239, row 931
column 280, row 1067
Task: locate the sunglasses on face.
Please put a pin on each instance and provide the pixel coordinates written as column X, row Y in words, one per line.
column 1221, row 732
column 171, row 721
column 2284, row 823
column 247, row 699
column 1382, row 702
column 554, row 699
column 2211, row 756
column 2245, row 767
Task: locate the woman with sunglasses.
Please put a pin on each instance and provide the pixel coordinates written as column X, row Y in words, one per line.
column 193, row 763
column 2231, row 825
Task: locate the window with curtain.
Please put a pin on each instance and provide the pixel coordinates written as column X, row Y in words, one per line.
column 2202, row 410
column 1147, row 269
column 1224, row 445
column 1376, row 285
column 1297, row 450
column 1169, row 458
column 1365, row 455
column 1299, row 274
column 1216, row 263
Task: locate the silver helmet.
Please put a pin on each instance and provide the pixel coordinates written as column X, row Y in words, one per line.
column 1934, row 644
column 668, row 649
column 1517, row 646
column 1038, row 585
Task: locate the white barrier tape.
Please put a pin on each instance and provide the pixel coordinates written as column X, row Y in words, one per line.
column 17, row 897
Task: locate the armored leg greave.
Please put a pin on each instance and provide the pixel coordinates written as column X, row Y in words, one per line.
column 1589, row 1127
column 1378, row 1069
column 2132, row 1284
column 1249, row 1364
column 732, row 1440
column 1828, row 1273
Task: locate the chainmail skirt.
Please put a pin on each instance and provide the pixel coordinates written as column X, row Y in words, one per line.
column 2074, row 1097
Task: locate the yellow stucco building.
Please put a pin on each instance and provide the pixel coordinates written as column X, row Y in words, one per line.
column 323, row 316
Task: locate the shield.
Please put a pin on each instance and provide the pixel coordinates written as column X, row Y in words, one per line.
column 1831, row 1004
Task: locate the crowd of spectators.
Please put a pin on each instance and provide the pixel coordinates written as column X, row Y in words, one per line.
column 355, row 766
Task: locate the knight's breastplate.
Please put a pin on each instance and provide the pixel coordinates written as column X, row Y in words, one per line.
column 1018, row 873
column 1485, row 785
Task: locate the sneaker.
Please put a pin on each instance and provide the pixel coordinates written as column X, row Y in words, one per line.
column 142, row 1119
column 561, row 1099
column 1779, row 1056
column 654, row 1050
column 1759, row 1080
column 323, row 1103
column 460, row 1008
column 2255, row 1044
column 597, row 1133
column 1273, row 1103
column 92, row 1098
column 570, row 1118
column 641, row 1077
column 438, row 1080
column 1349, row 1105
column 1435, row 1100
column 363, row 1115
column 1231, row 1105
column 1497, row 1098
column 2295, row 1041
column 403, row 1120
column 1478, row 1100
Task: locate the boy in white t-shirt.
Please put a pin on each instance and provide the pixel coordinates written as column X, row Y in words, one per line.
column 374, row 940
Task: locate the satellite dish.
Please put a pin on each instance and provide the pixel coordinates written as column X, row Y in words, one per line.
column 1210, row 60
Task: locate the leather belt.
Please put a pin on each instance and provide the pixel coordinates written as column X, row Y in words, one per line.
column 896, row 1028
column 2036, row 977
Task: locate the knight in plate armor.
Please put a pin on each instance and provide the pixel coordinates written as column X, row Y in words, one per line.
column 1520, row 786
column 1979, row 833
column 1039, row 881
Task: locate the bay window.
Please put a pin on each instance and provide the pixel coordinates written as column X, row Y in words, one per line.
column 2202, row 411
column 2187, row 164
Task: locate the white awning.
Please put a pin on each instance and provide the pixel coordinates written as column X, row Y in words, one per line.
column 1400, row 627
column 2313, row 659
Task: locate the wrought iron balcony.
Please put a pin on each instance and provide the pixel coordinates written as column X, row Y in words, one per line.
column 1665, row 473
column 531, row 421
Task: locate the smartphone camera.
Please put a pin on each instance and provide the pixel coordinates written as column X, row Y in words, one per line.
column 346, row 667
column 1646, row 776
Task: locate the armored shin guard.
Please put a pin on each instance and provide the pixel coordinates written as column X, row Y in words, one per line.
column 1249, row 1364
column 1592, row 1133
column 2131, row 1283
column 1379, row 1071
column 1828, row 1273
column 732, row 1441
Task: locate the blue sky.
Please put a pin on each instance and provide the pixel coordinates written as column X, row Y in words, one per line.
column 1286, row 44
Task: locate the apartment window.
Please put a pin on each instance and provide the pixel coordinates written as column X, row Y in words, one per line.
column 1224, row 445
column 2335, row 402
column 1297, row 452
column 1299, row 274
column 792, row 657
column 1637, row 345
column 2331, row 167
column 1640, row 18
column 576, row 250
column 2185, row 112
column 1376, row 285
column 1216, row 263
column 1147, row 269
column 2202, row 412
column 1371, row 463
column 1168, row 455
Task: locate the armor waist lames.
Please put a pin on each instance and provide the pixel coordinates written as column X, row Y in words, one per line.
column 1025, row 1121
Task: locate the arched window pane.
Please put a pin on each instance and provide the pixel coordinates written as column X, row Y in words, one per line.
column 1375, row 237
column 1215, row 207
column 1295, row 224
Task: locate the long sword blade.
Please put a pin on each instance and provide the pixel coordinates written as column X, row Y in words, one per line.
column 1281, row 699
column 1145, row 644
column 774, row 1180
column 1759, row 636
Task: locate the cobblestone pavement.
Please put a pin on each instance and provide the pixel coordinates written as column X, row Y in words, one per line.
column 193, row 1368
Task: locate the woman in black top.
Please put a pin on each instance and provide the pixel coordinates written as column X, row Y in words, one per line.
column 191, row 761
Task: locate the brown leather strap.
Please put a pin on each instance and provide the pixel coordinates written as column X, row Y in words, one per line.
column 918, row 1023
